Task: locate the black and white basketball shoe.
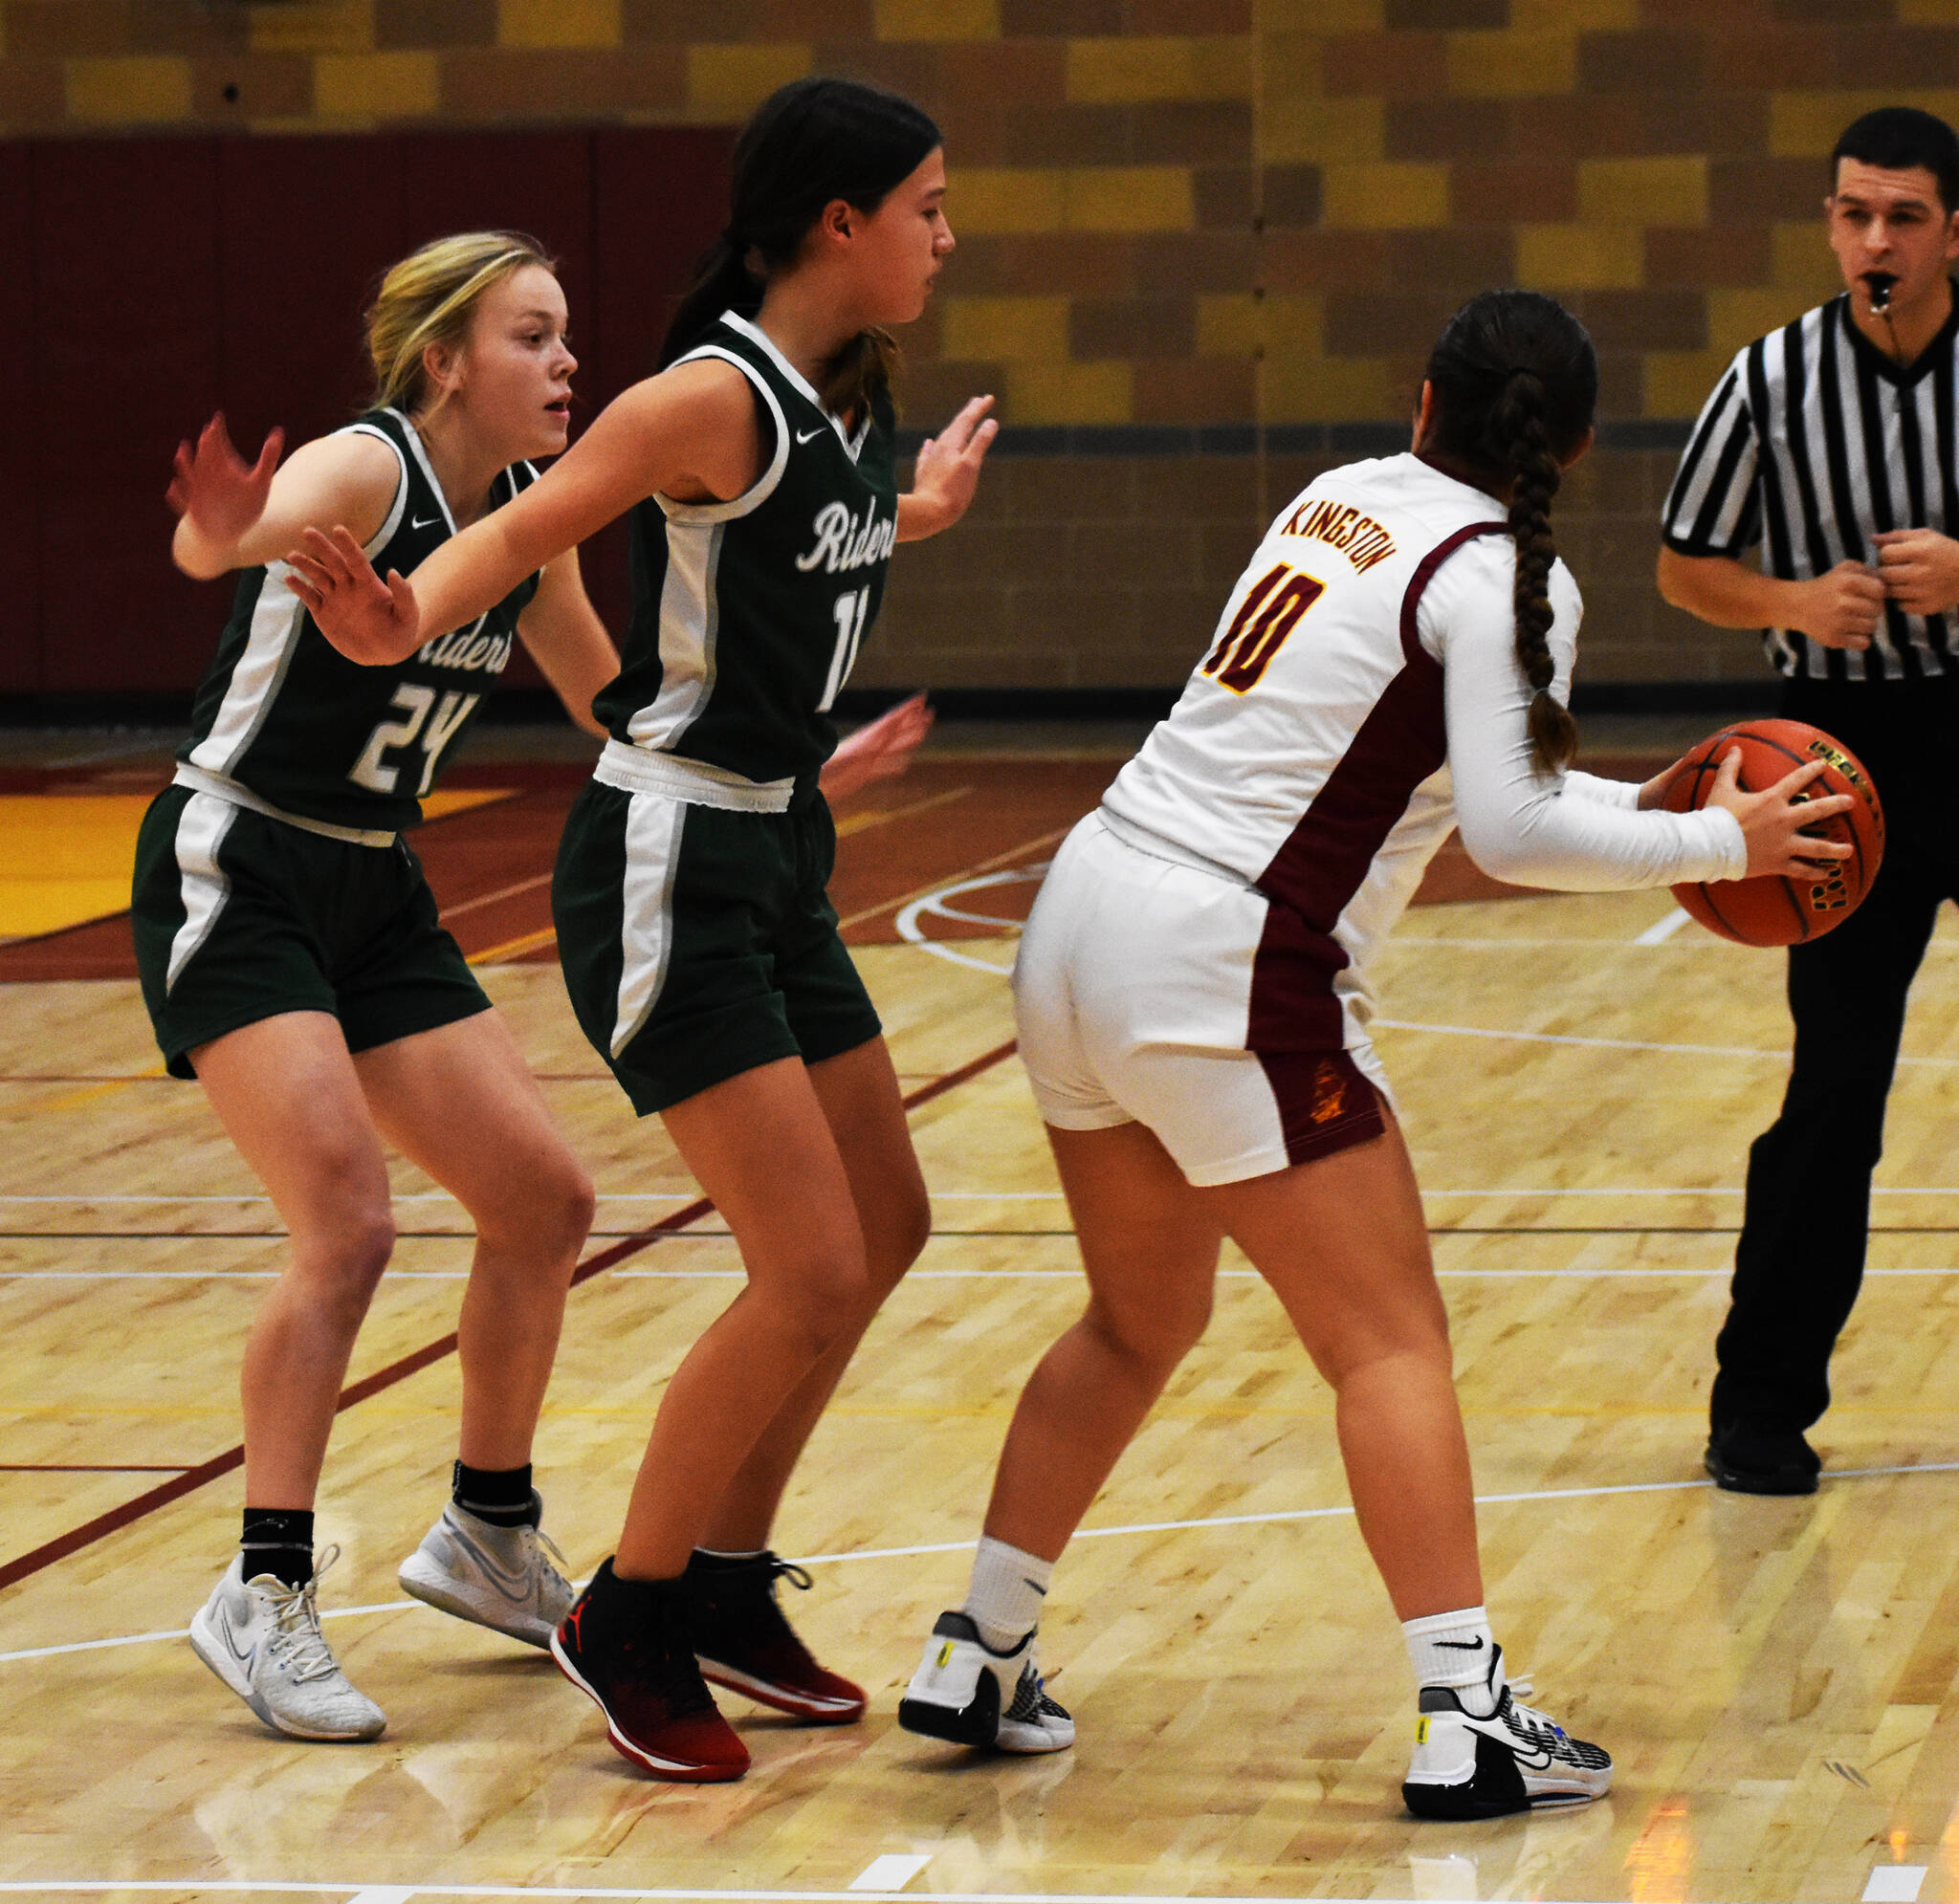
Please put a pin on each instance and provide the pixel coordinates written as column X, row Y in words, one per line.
column 1480, row 1754
column 966, row 1693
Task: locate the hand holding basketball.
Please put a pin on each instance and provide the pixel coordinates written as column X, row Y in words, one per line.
column 1778, row 823
column 1812, row 821
column 368, row 620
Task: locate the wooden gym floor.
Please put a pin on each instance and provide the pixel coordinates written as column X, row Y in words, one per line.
column 1579, row 1077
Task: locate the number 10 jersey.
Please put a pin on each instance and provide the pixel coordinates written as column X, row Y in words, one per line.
column 284, row 715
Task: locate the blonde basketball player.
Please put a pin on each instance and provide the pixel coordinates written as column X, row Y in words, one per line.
column 293, row 962
column 1193, row 993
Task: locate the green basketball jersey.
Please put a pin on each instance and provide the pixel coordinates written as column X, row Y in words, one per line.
column 748, row 615
column 288, row 717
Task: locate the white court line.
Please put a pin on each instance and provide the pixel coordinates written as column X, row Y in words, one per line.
column 913, row 1276
column 1780, row 1057
column 1657, row 934
column 1271, row 1518
column 71, row 1886
column 1894, row 1884
column 384, row 1894
column 891, row 1871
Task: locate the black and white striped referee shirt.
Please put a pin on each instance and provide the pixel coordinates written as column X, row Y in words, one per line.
column 1813, row 442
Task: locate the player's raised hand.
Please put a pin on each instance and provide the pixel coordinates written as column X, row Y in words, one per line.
column 948, row 469
column 1920, row 570
column 881, row 750
column 1773, row 821
column 214, row 486
column 368, row 620
column 1842, row 608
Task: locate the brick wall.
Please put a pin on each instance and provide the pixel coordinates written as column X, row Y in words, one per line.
column 1181, row 222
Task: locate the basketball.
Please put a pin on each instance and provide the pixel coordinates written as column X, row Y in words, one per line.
column 1772, row 911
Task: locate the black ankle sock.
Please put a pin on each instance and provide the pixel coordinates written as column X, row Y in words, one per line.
column 279, row 1540
column 705, row 1560
column 633, row 1599
column 499, row 1496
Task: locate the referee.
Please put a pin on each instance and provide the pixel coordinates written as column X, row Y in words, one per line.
column 1833, row 443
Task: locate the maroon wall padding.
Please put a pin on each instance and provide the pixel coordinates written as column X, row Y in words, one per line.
column 168, row 277
column 25, row 420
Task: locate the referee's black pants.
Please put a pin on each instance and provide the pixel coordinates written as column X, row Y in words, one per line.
column 1800, row 1258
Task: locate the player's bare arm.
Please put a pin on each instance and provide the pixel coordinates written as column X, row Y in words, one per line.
column 690, row 433
column 234, row 515
column 567, row 641
column 1839, row 609
column 947, row 472
column 881, row 750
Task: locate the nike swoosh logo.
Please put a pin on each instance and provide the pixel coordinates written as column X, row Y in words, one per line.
column 811, row 437
column 428, row 524
column 230, row 1638
column 1462, row 1645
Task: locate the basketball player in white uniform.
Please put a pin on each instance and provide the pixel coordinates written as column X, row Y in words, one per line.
column 1194, row 997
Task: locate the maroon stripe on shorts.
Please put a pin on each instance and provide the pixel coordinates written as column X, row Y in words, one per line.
column 1294, row 1023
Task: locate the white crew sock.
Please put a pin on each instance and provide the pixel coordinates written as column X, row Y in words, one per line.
column 1004, row 1599
column 1454, row 1650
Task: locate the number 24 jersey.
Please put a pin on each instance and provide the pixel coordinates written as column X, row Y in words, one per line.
column 285, row 714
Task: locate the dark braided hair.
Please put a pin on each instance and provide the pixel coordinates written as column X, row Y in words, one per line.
column 1515, row 381
column 810, row 142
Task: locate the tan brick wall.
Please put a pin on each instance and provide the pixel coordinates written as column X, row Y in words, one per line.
column 1172, row 214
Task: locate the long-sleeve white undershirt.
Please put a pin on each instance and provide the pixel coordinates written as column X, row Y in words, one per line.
column 1573, row 832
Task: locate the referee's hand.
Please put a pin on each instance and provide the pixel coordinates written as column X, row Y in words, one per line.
column 1921, row 570
column 1839, row 609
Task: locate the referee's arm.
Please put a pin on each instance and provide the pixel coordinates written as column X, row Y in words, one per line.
column 1713, row 513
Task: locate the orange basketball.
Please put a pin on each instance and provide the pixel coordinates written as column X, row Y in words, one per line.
column 1772, row 911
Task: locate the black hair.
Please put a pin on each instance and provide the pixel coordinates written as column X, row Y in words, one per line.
column 1898, row 138
column 1515, row 381
column 809, row 143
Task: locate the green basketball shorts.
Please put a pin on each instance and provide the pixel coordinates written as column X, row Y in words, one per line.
column 240, row 917
column 698, row 943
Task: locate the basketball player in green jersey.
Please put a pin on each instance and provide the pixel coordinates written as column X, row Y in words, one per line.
column 292, row 960
column 700, row 951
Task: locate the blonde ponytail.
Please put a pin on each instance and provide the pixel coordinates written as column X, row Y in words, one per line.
column 429, row 298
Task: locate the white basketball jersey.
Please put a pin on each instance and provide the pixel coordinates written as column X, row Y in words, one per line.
column 1307, row 752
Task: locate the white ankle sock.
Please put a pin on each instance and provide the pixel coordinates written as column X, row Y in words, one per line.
column 1452, row 1650
column 1004, row 1599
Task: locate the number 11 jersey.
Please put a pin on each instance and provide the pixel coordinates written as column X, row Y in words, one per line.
column 748, row 614
column 284, row 715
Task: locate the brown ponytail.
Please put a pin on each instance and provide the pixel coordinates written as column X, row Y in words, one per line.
column 1515, row 381
column 1520, row 417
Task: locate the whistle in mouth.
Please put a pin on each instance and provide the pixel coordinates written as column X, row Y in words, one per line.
column 1878, row 284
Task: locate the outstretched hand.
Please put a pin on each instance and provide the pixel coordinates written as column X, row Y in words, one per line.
column 368, row 620
column 879, row 751
column 947, row 472
column 214, row 486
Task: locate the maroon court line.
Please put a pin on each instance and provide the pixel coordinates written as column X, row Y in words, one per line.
column 190, row 1479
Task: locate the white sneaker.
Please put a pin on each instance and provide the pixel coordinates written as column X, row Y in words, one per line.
column 1471, row 1767
column 966, row 1693
column 262, row 1638
column 500, row 1577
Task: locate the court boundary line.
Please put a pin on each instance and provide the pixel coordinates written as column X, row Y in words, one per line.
column 1270, row 1517
column 678, row 1894
column 115, row 1519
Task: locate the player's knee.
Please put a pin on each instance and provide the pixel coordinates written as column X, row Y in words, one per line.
column 1155, row 1337
column 895, row 1239
column 342, row 1264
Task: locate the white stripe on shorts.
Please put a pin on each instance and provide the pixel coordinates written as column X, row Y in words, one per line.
column 201, row 830
column 653, row 826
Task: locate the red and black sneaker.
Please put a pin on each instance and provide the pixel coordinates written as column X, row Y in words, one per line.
column 626, row 1646
column 745, row 1643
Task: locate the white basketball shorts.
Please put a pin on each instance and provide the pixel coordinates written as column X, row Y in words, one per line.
column 1141, row 985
